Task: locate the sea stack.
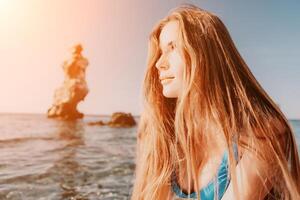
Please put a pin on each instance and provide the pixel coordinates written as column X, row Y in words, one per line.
column 73, row 90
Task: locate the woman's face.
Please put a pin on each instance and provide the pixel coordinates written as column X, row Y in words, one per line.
column 170, row 65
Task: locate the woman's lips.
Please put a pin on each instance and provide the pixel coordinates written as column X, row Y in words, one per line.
column 166, row 80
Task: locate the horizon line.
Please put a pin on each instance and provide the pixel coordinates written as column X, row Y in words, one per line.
column 92, row 114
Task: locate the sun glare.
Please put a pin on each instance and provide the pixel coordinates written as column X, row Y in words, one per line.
column 8, row 8
column 5, row 4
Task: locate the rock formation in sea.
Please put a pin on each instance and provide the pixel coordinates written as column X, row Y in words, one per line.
column 99, row 123
column 73, row 90
column 118, row 119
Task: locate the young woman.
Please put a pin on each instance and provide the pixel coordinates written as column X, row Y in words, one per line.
column 208, row 129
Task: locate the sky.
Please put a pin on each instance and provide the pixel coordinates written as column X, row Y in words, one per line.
column 36, row 37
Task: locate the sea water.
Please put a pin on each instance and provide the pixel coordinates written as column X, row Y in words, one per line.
column 48, row 159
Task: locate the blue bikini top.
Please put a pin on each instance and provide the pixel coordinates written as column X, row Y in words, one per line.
column 218, row 183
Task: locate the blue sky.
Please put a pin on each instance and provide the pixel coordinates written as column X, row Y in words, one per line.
column 36, row 37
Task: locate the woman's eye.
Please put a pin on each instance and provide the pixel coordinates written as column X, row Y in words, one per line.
column 173, row 46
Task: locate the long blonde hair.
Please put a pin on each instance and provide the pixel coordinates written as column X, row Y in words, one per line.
column 220, row 95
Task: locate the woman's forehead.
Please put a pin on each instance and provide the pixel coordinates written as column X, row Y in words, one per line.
column 169, row 34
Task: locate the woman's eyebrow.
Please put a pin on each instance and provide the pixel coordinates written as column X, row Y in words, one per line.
column 169, row 44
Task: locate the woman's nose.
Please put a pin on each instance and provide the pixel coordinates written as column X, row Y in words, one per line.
column 161, row 64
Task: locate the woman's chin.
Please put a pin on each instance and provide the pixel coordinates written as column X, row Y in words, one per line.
column 169, row 94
